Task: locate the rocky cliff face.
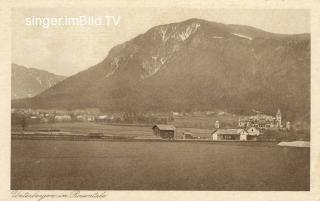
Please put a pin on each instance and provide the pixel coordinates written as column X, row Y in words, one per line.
column 194, row 65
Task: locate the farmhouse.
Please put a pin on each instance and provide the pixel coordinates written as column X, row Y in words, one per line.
column 164, row 131
column 62, row 118
column 229, row 134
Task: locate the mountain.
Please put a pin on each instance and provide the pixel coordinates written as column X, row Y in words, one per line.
column 29, row 82
column 193, row 65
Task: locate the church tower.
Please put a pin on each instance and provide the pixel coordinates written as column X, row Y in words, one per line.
column 278, row 119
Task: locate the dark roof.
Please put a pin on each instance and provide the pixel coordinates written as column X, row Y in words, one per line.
column 164, row 127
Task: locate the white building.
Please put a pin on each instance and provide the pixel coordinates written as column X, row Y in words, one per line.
column 62, row 118
column 229, row 134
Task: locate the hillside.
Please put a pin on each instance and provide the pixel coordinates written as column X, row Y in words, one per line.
column 29, row 82
column 193, row 65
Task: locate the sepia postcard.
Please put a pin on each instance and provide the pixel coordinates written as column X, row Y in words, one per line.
column 160, row 101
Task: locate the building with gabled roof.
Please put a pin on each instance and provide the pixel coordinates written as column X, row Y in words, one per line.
column 253, row 131
column 229, row 134
column 164, row 131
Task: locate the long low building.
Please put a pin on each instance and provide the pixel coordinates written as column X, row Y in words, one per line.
column 229, row 134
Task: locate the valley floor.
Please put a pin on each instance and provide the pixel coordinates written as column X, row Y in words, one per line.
column 116, row 165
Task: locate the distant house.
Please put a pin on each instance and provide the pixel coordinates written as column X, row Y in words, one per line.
column 80, row 118
column 102, row 117
column 164, row 131
column 177, row 114
column 187, row 135
column 90, row 117
column 62, row 118
column 229, row 134
column 85, row 117
column 44, row 120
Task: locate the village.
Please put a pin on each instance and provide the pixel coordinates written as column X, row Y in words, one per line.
column 257, row 127
column 248, row 129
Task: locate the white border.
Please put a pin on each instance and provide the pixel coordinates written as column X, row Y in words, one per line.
column 5, row 74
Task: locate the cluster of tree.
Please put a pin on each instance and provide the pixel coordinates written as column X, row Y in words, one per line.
column 20, row 120
column 131, row 117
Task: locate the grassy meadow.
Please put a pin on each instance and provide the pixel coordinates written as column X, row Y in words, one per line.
column 111, row 165
column 142, row 131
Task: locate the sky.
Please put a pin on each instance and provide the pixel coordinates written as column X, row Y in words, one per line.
column 66, row 50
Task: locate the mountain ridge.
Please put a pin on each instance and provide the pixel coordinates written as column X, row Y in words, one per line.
column 28, row 82
column 193, row 65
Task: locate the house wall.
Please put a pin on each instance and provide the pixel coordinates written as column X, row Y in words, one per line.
column 229, row 137
column 214, row 136
column 156, row 131
column 243, row 137
column 167, row 134
column 252, row 138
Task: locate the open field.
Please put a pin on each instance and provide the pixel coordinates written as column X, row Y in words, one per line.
column 140, row 130
column 111, row 165
column 117, row 130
